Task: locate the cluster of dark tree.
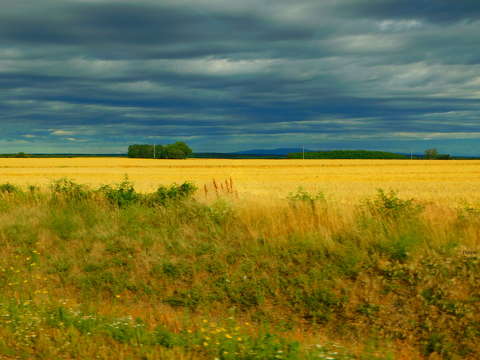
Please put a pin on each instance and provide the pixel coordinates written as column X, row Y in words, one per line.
column 178, row 150
column 347, row 154
column 17, row 155
column 432, row 154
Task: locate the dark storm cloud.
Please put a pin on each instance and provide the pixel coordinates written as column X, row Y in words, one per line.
column 431, row 10
column 96, row 75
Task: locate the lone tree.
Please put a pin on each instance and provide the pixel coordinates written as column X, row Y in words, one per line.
column 431, row 153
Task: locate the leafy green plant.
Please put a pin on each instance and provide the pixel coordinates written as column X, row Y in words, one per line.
column 69, row 190
column 302, row 195
column 389, row 205
column 122, row 194
column 174, row 192
column 9, row 188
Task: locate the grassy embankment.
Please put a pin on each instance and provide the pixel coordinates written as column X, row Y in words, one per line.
column 112, row 273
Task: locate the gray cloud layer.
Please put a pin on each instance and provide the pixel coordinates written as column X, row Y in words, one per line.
column 95, row 75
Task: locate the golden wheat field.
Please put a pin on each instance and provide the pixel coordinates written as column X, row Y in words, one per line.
column 343, row 180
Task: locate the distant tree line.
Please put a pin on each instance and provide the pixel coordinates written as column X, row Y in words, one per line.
column 177, row 150
column 17, row 155
column 347, row 154
column 429, row 154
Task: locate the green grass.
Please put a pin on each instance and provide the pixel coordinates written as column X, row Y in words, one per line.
column 113, row 273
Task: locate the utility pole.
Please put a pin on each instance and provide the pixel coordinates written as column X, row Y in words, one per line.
column 303, row 151
column 154, row 155
column 411, row 155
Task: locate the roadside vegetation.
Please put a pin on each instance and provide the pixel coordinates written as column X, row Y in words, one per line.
column 185, row 274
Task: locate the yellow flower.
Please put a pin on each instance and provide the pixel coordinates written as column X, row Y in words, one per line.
column 228, row 336
column 205, row 343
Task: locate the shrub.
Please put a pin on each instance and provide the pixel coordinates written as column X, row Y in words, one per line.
column 69, row 190
column 389, row 205
column 170, row 194
column 122, row 194
column 9, row 188
column 175, row 192
column 303, row 195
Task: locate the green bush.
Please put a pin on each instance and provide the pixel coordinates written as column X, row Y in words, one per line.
column 122, row 194
column 173, row 192
column 9, row 188
column 303, row 195
column 389, row 205
column 69, row 190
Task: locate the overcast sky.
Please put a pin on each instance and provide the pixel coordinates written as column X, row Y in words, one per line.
column 226, row 75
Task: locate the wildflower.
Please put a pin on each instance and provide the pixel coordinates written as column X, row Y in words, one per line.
column 205, row 344
column 117, row 296
column 228, row 336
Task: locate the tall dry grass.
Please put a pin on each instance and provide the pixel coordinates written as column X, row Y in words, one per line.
column 112, row 273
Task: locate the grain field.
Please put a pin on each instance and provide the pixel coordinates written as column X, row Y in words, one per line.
column 343, row 180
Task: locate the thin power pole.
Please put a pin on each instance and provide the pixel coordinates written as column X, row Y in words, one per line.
column 154, row 155
column 303, row 152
